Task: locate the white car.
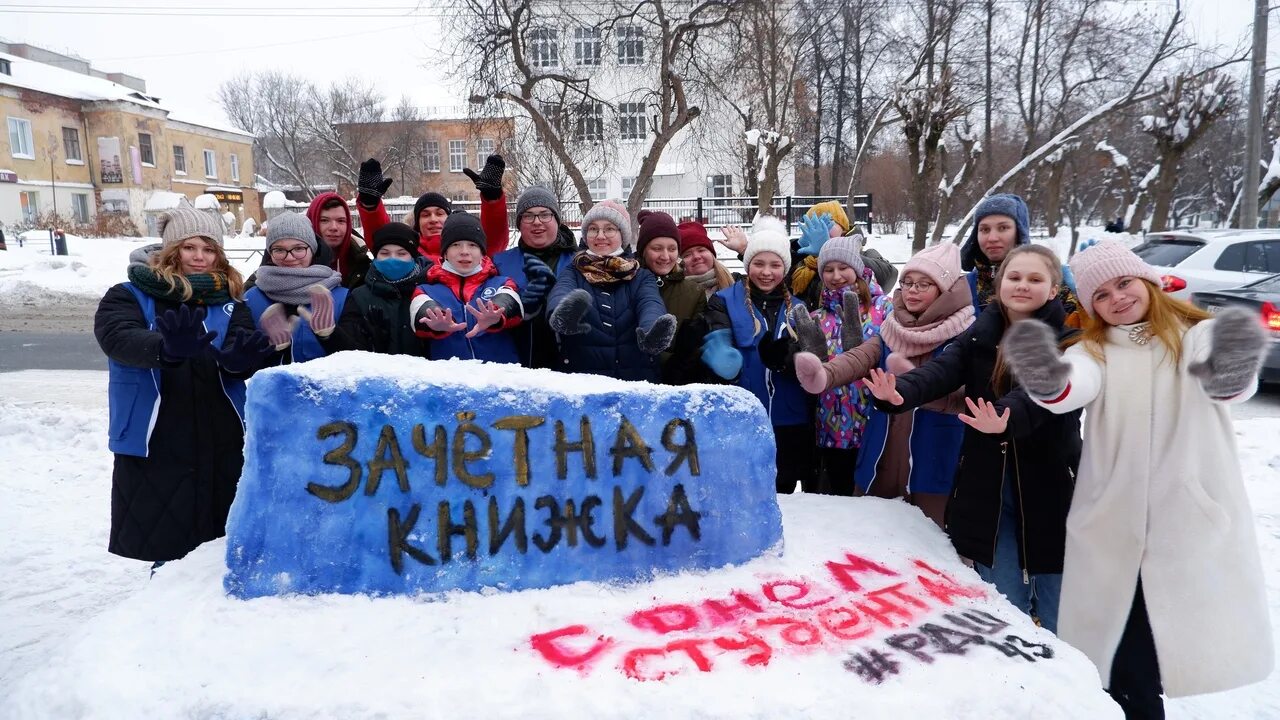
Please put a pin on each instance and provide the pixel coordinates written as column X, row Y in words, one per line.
column 1198, row 260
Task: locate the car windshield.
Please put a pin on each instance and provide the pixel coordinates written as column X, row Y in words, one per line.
column 1167, row 253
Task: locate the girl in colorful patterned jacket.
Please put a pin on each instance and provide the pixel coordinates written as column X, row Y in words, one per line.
column 851, row 308
column 465, row 306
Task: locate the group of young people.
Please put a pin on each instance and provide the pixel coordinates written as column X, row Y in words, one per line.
column 1134, row 542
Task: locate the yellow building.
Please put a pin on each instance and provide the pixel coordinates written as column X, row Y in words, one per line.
column 88, row 142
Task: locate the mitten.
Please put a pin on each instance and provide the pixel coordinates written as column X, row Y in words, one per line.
column 659, row 335
column 372, row 186
column 567, row 319
column 719, row 354
column 813, row 377
column 489, row 180
column 245, row 352
column 182, row 333
column 1031, row 349
column 774, row 351
column 815, row 231
column 850, row 321
column 1237, row 343
column 540, row 279
column 277, row 326
column 898, row 364
column 320, row 315
column 812, row 340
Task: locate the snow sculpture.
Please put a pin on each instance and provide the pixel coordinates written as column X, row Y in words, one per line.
column 366, row 474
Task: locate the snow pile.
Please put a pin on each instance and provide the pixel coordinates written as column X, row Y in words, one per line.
column 273, row 200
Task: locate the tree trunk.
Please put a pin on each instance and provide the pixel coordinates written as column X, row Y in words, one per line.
column 1051, row 197
column 1161, row 190
column 919, row 198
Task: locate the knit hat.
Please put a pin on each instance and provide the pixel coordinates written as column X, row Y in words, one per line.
column 398, row 234
column 185, row 222
column 768, row 234
column 834, row 209
column 1105, row 261
column 430, row 199
column 847, row 249
column 536, row 196
column 693, row 234
column 655, row 224
column 1006, row 204
column 614, row 212
column 291, row 226
column 940, row 262
column 462, row 226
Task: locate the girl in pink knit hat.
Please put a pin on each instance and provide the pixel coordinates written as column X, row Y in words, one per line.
column 1162, row 586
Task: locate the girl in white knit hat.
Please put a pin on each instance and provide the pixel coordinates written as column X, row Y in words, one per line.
column 1162, row 586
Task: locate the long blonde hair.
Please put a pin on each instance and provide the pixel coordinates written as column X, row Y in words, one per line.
column 723, row 278
column 1169, row 317
column 1000, row 373
column 168, row 265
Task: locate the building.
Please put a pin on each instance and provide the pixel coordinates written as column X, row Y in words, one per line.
column 84, row 142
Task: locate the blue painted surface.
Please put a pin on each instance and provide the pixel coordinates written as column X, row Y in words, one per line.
column 284, row 538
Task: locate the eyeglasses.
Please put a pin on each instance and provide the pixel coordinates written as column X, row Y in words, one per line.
column 298, row 251
column 542, row 217
column 610, row 231
column 922, row 286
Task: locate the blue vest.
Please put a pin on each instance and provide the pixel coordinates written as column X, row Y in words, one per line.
column 491, row 346
column 306, row 346
column 934, row 446
column 511, row 263
column 133, row 393
column 780, row 394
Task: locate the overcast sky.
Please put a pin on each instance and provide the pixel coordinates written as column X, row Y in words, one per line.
column 184, row 59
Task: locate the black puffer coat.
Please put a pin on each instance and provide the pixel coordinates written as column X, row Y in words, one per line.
column 1039, row 451
column 165, row 505
column 376, row 318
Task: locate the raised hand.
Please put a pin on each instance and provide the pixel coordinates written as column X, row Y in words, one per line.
column 182, row 333
column 1237, row 343
column 659, row 336
column 569, row 316
column 320, row 315
column 815, row 230
column 489, row 180
column 1031, row 348
column 850, row 321
column 984, row 418
column 245, row 352
column 486, row 313
column 371, row 186
column 719, row 354
column 277, row 326
column 812, row 375
column 884, row 386
column 809, row 336
column 540, row 279
column 440, row 320
column 735, row 238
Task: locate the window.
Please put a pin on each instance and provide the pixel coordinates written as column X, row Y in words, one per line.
column 145, row 150
column 457, row 155
column 235, row 168
column 5, row 67
column 431, row 156
column 544, row 48
column 30, row 202
column 1262, row 257
column 628, row 184
column 484, row 148
column 210, row 165
column 590, row 126
column 630, row 45
column 599, row 189
column 1168, row 252
column 80, row 207
column 586, row 46
column 71, row 145
column 20, row 143
column 720, row 186
column 179, row 160
column 631, row 121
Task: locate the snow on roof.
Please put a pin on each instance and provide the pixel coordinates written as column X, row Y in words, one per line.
column 273, row 199
column 207, row 202
column 161, row 200
column 66, row 83
column 186, row 116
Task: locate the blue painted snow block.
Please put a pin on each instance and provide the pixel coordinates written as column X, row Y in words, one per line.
column 368, row 474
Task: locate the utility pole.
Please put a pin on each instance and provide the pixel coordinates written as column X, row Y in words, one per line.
column 1253, row 133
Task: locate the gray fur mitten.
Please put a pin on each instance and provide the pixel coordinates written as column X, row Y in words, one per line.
column 568, row 317
column 1237, row 343
column 1031, row 349
column 850, row 321
column 809, row 335
column 659, row 335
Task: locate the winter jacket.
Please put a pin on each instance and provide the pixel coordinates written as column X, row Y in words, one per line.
column 687, row 302
column 452, row 292
column 843, row 410
column 1161, row 497
column 305, row 346
column 493, row 218
column 1038, row 452
column 758, row 324
column 611, row 347
column 350, row 258
column 536, row 344
column 175, row 428
column 376, row 317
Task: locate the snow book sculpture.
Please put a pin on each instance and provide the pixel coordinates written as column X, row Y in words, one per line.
column 369, row 474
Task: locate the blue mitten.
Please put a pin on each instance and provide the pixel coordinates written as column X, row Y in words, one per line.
column 720, row 355
column 815, row 231
column 540, row 279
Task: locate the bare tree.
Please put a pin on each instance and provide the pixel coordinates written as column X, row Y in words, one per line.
column 274, row 106
column 345, row 119
column 927, row 109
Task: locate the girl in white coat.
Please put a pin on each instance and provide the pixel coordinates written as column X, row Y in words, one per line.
column 1162, row 583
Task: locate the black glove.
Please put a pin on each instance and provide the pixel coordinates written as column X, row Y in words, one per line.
column 379, row 330
column 850, row 321
column 489, row 180
column 372, row 185
column 568, row 317
column 1237, row 345
column 773, row 353
column 812, row 340
column 182, row 333
column 659, row 335
column 245, row 352
column 540, row 279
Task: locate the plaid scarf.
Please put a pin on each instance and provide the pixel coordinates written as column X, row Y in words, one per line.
column 206, row 288
column 605, row 270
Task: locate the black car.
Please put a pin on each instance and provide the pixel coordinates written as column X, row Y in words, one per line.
column 1262, row 296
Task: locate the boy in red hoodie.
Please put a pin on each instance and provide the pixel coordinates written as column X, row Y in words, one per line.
column 331, row 220
column 465, row 305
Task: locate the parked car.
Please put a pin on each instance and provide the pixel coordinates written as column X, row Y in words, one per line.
column 1262, row 296
column 1192, row 261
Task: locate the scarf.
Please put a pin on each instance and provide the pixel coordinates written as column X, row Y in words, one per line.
column 206, row 288
column 803, row 275
column 948, row 316
column 707, row 280
column 289, row 285
column 382, row 285
column 605, row 270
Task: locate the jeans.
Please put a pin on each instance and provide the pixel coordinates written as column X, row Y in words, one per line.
column 1039, row 596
